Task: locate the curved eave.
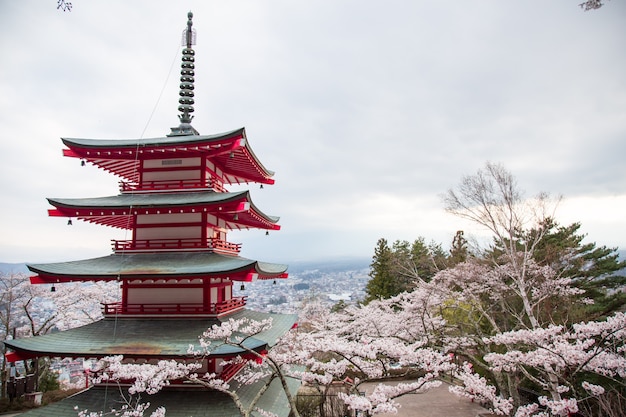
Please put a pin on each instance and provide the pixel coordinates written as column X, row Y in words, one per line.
column 156, row 266
column 242, row 166
column 229, row 151
column 235, row 209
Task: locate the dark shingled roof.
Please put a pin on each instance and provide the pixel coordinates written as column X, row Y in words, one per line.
column 160, row 265
column 149, row 200
column 112, row 210
column 146, row 338
column 177, row 403
column 146, row 142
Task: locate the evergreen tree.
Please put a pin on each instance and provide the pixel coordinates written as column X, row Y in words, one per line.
column 597, row 270
column 421, row 260
column 399, row 268
column 458, row 251
column 439, row 258
column 382, row 283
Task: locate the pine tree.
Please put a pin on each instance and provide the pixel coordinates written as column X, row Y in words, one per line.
column 382, row 283
column 458, row 251
column 597, row 270
column 399, row 268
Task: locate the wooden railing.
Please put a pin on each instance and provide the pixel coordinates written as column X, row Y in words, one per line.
column 171, row 185
column 217, row 245
column 231, row 370
column 111, row 309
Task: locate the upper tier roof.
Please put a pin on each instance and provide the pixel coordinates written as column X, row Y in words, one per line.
column 114, row 210
column 229, row 151
column 172, row 265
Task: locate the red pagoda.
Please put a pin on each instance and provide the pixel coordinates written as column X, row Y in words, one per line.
column 177, row 270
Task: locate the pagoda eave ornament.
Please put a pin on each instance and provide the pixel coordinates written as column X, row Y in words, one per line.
column 184, row 129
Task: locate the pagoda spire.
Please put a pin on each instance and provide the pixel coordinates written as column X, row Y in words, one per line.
column 186, row 82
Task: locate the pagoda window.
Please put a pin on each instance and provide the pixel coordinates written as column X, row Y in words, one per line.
column 165, row 218
column 171, row 163
column 174, row 232
column 182, row 226
column 155, row 176
column 211, row 220
column 174, row 173
column 218, row 365
column 204, row 366
column 214, row 171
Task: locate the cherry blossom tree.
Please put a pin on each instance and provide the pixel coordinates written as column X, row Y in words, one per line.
column 258, row 367
column 586, row 362
column 481, row 301
column 494, row 305
column 265, row 366
column 30, row 310
column 389, row 338
column 13, row 287
column 591, row 5
column 578, row 362
column 68, row 306
column 385, row 339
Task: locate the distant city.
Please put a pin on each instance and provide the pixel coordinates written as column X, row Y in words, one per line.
column 327, row 282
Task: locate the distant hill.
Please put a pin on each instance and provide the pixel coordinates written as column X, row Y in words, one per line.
column 6, row 268
column 330, row 265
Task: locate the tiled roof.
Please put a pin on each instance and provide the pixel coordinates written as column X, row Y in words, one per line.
column 177, row 402
column 166, row 140
column 161, row 264
column 137, row 201
column 145, row 338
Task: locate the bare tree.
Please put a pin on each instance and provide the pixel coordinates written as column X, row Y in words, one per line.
column 491, row 198
column 591, row 4
column 64, row 6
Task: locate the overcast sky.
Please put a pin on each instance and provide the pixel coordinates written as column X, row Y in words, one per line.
column 367, row 110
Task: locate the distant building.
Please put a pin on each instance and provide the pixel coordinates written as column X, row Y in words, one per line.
column 340, row 297
column 177, row 269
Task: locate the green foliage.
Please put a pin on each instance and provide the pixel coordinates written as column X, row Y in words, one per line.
column 48, row 381
column 339, row 306
column 462, row 317
column 596, row 270
column 382, row 283
column 593, row 269
column 397, row 268
column 458, row 251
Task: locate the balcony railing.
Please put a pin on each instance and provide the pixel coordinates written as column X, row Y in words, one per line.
column 217, row 245
column 171, row 185
column 165, row 309
column 231, row 370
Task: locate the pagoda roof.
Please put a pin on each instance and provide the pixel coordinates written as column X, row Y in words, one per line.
column 229, row 151
column 148, row 338
column 170, row 265
column 114, row 210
